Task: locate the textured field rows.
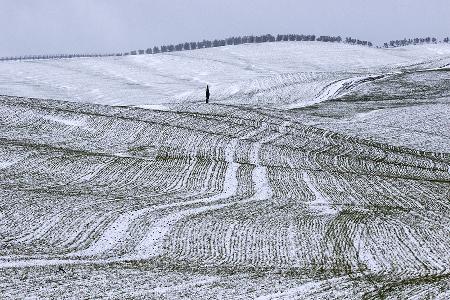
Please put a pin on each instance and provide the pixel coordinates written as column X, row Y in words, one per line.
column 211, row 198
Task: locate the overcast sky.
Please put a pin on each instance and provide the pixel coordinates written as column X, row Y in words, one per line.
column 79, row 26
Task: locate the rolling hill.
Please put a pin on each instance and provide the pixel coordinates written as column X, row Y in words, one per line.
column 318, row 171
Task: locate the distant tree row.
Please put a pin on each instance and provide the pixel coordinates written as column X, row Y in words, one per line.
column 56, row 56
column 352, row 41
column 295, row 38
column 414, row 41
column 267, row 38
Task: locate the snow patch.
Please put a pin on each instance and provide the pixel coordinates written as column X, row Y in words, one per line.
column 154, row 107
column 67, row 122
column 321, row 204
column 262, row 185
column 112, row 236
column 6, row 164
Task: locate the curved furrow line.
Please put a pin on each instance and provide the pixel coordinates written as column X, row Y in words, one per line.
column 151, row 244
column 339, row 150
column 119, row 228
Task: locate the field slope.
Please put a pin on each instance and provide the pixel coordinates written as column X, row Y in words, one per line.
column 318, row 171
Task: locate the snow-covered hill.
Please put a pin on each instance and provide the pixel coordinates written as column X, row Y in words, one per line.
column 318, row 171
column 267, row 74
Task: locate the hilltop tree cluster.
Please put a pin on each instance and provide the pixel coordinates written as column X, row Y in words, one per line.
column 414, row 41
column 206, row 44
column 295, row 38
column 267, row 38
column 353, row 41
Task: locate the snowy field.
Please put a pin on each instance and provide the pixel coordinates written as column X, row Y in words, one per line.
column 318, row 171
column 271, row 74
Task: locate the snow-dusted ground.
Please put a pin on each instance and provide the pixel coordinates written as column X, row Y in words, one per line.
column 318, row 171
column 258, row 74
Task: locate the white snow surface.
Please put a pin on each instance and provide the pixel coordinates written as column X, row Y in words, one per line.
column 67, row 122
column 288, row 73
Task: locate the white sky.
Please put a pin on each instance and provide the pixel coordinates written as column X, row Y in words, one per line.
column 80, row 26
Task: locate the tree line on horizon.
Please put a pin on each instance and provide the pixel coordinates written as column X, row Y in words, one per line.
column 55, row 56
column 413, row 41
column 206, row 44
column 236, row 41
column 267, row 38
